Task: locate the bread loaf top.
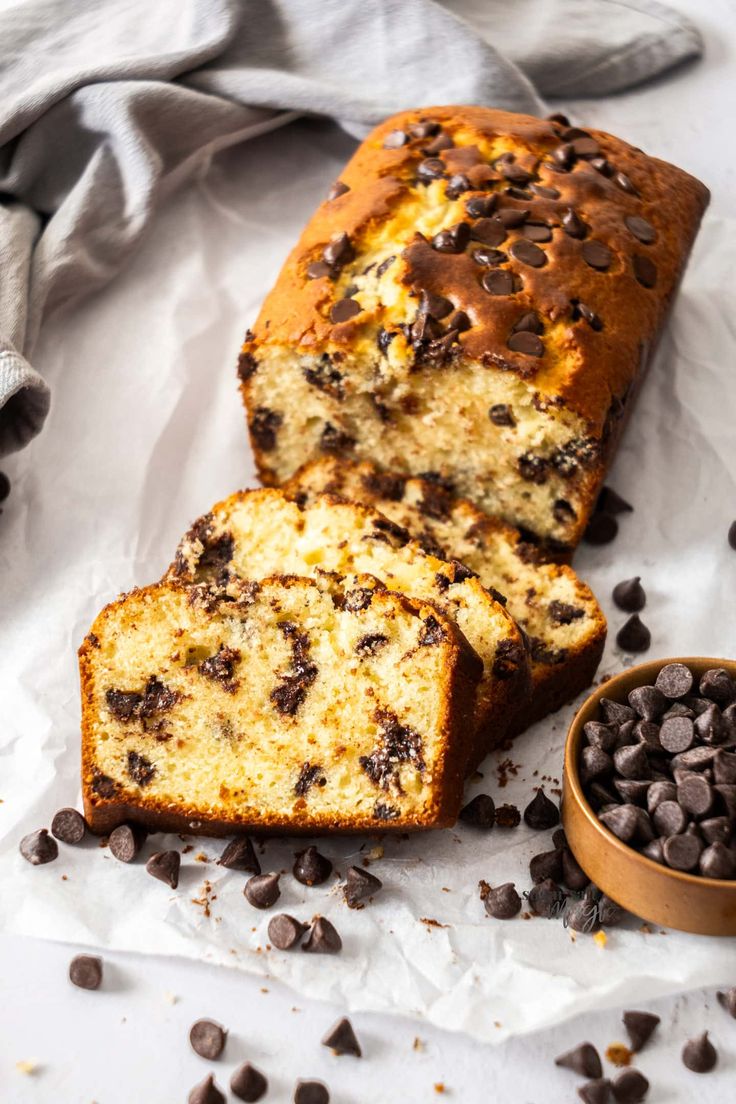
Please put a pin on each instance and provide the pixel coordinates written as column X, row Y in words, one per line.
column 592, row 233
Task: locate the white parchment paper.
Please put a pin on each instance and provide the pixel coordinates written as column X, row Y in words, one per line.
column 146, row 432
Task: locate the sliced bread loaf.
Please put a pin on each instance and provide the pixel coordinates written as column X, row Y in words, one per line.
column 558, row 612
column 290, row 705
column 254, row 534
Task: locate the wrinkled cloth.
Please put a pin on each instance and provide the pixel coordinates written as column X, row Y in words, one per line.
column 107, row 105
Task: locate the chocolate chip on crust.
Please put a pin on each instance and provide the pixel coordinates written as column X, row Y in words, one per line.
column 338, row 251
column 528, row 253
column 596, row 255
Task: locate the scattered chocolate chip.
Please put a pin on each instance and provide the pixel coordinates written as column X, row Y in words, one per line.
column 584, row 146
column 323, row 938
column 630, row 1087
column 699, row 1054
column 240, row 855
column 39, row 847
column 207, row 1039
column 583, row 916
column 284, row 932
column 583, row 1059
column 480, row 812
column 544, row 192
column 634, row 636
column 206, row 1092
column 727, row 1000
column 601, row 529
column 695, row 795
column 629, row 595
column 311, row 868
column 507, row 816
column 435, row 305
column 545, row 866
column 125, row 842
column 359, row 885
column 452, row 240
column 526, row 252
column 456, row 185
column 596, row 1091
column 165, row 865
column 248, row 1083
column 640, row 1026
column 541, row 813
column 573, row 875
column 499, row 281
column 501, row 902
column 85, row 971
column 311, row 1092
column 69, row 826
column 546, row 899
column 669, row 818
column 341, row 1039
column 262, row 890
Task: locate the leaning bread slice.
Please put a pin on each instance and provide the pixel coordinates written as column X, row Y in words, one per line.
column 258, row 533
column 564, row 624
column 296, row 705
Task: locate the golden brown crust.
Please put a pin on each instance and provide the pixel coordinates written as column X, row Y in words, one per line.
column 104, row 811
column 595, row 367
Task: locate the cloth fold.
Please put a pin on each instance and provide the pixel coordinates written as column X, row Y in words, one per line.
column 110, row 104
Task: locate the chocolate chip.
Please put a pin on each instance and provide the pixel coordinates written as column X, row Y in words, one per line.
column 207, row 1039
column 648, row 702
column 125, row 842
column 527, row 343
column 600, row 735
column 581, row 310
column 528, row 253
column 311, row 1092
column 676, row 734
column 625, row 184
column 85, row 971
column 4, row 486
column 262, row 890
column 456, row 185
column 546, row 899
column 395, row 139
column 583, row 1059
column 435, row 305
column 654, row 850
column 284, row 931
column 425, row 128
column 69, row 826
column 511, row 217
column 616, row 712
column 341, row 1039
column 489, row 257
column 311, row 868
column 240, row 855
column 501, row 415
column 528, row 322
column 699, row 1054
column 716, row 829
column 727, row 1000
column 344, row 309
column 640, row 1026
column 641, row 229
column 322, row 938
column 695, row 795
column 338, row 251
column 631, row 761
column 39, row 847
column 718, row 861
column 623, row 821
column 573, row 875
column 629, row 595
column 669, row 818
column 547, row 864
column 681, row 852
column 596, row 1091
column 675, row 680
column 337, row 189
column 541, row 813
column 452, row 240
column 594, row 762
column 564, row 156
column 480, row 812
column 601, row 165
column 507, row 816
column 597, row 255
column 718, row 686
column 658, row 792
column 206, row 1092
column 165, row 865
column 544, row 192
column 140, row 768
column 501, row 902
column 631, row 790
column 732, row 534
column 263, row 427
column 499, row 281
column 583, row 916
column 573, row 225
column 359, row 885
column 634, row 636
column 645, row 270
column 317, row 270
column 537, row 232
column 480, row 206
column 248, row 1083
column 630, row 1087
column 601, row 529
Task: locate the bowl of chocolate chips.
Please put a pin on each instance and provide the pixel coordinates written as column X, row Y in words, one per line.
column 649, row 792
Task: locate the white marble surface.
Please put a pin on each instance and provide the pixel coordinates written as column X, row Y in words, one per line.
column 130, row 1039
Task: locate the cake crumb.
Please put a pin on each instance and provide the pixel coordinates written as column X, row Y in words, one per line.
column 431, row 923
column 376, row 852
column 27, row 1066
column 618, row 1054
column 439, row 1087
column 170, row 998
column 600, row 938
column 418, row 1043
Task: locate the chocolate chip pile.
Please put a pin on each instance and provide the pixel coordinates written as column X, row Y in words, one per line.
column 660, row 771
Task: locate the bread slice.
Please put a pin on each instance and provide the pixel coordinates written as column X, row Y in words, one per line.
column 254, row 534
column 558, row 612
column 297, row 705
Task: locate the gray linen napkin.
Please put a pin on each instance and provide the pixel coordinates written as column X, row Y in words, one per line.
column 107, row 105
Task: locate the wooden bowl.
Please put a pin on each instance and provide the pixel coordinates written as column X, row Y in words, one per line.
column 706, row 906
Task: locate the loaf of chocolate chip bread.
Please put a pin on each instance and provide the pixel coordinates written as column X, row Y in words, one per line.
column 255, row 534
column 477, row 298
column 292, row 704
column 562, row 620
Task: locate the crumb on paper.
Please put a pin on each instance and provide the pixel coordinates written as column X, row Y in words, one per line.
column 376, row 852
column 201, row 857
column 506, row 770
column 264, row 989
column 205, row 899
column 600, row 938
column 189, row 847
column 439, row 1087
column 497, row 1023
column 618, row 1054
column 170, row 998
column 418, row 1043
column 431, row 922
column 27, row 1066
column 645, row 929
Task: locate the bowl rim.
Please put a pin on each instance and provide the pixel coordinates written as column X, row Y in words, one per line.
column 572, row 774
